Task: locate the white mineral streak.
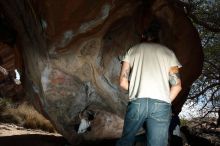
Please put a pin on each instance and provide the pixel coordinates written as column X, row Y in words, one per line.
column 67, row 37
column 98, row 20
column 17, row 78
column 36, row 89
column 45, row 77
column 84, row 125
column 43, row 24
column 17, row 75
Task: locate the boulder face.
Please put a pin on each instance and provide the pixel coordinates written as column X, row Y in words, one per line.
column 72, row 51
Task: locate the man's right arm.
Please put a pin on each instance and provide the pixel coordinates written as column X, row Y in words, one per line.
column 124, row 75
column 175, row 82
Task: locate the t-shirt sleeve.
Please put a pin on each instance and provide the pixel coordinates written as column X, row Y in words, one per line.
column 175, row 61
column 127, row 56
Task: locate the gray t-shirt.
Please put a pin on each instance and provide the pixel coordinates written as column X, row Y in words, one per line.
column 150, row 64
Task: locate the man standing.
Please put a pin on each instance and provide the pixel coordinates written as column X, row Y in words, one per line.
column 150, row 73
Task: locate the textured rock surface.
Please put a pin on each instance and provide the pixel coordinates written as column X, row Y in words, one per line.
column 72, row 52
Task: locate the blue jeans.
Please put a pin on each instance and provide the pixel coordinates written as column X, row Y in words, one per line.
column 155, row 114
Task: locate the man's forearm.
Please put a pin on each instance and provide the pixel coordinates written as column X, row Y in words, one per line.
column 175, row 82
column 124, row 75
column 124, row 84
column 174, row 91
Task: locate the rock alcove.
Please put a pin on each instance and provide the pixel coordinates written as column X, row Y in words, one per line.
column 71, row 54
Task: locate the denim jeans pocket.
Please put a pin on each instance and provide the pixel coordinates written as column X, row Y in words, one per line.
column 133, row 111
column 161, row 112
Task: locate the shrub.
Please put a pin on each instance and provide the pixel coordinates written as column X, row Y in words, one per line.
column 184, row 122
column 23, row 115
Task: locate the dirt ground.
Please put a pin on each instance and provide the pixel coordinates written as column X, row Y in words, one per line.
column 12, row 135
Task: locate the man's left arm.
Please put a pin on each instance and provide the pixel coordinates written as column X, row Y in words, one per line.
column 175, row 82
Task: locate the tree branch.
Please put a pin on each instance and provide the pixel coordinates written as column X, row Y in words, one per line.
column 210, row 111
column 212, row 64
column 210, row 99
column 204, row 24
column 203, row 91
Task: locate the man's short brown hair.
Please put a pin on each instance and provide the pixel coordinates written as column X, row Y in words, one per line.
column 152, row 32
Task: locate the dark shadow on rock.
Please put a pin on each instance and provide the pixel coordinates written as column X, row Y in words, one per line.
column 194, row 140
column 33, row 140
column 106, row 142
column 48, row 140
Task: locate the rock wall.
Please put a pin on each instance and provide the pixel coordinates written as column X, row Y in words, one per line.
column 72, row 52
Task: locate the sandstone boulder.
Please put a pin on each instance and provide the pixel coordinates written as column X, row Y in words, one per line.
column 72, row 51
